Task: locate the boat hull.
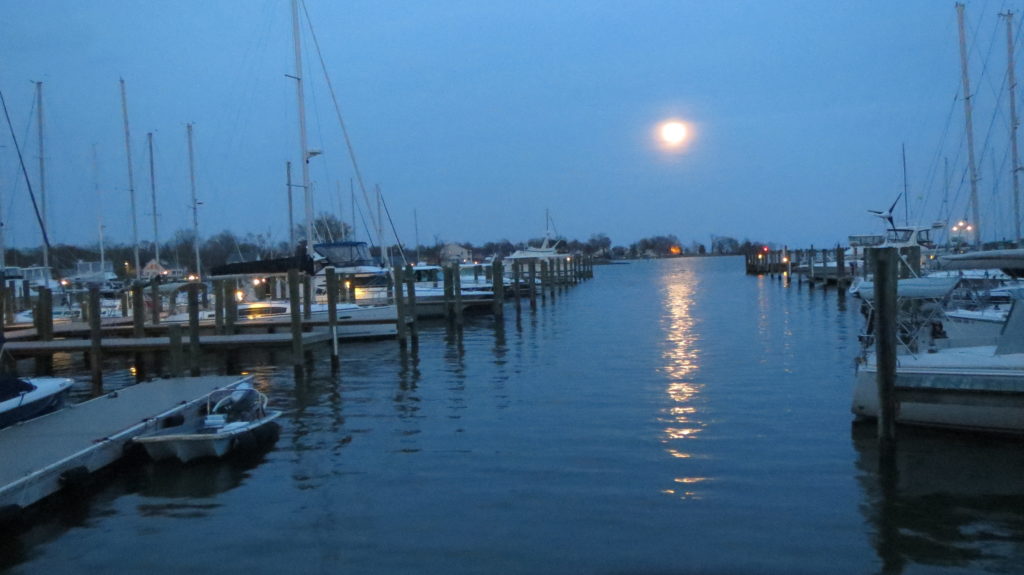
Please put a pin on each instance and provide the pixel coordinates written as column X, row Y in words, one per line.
column 49, row 395
column 187, row 447
column 943, row 390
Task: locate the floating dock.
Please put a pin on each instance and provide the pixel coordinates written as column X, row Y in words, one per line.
column 42, row 456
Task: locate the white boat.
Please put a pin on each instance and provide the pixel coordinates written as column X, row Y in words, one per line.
column 232, row 419
column 354, row 321
column 962, row 386
column 25, row 398
column 353, row 261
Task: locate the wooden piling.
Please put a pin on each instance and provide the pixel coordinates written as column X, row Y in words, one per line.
column 95, row 341
column 885, row 264
column 154, row 296
column 44, row 328
column 400, row 305
column 332, row 313
column 294, row 288
column 532, row 281
column 220, row 291
column 516, row 285
column 230, row 307
column 307, row 296
column 449, row 292
column 193, row 329
column 174, row 352
column 410, row 289
column 138, row 310
column 458, row 296
column 498, row 287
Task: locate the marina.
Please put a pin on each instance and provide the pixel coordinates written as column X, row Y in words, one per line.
column 490, row 448
column 273, row 373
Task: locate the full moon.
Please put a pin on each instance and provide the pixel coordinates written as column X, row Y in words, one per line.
column 673, row 133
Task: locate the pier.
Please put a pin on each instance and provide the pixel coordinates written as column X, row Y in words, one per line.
column 46, row 454
column 837, row 267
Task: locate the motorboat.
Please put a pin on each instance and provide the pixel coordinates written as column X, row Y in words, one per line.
column 229, row 420
column 353, row 261
column 949, row 382
column 354, row 321
column 25, row 398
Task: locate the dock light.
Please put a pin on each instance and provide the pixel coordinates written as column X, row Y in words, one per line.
column 256, row 281
column 962, row 226
column 239, row 296
column 785, row 260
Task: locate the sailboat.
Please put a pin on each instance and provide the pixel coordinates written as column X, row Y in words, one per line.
column 376, row 320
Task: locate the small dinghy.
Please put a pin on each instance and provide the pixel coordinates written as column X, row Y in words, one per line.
column 28, row 397
column 230, row 420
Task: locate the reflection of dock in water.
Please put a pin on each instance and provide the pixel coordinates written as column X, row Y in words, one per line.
column 944, row 499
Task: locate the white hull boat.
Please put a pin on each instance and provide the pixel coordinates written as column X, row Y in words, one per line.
column 233, row 419
column 25, row 398
column 355, row 321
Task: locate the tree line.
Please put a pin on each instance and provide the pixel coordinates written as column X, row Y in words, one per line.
column 228, row 247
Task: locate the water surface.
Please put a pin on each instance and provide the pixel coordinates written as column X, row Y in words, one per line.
column 670, row 416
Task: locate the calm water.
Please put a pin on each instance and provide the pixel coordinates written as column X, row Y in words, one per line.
column 669, row 416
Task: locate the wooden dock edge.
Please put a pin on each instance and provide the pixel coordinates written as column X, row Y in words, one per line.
column 67, row 470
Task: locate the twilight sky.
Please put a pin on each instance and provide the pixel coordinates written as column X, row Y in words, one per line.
column 475, row 117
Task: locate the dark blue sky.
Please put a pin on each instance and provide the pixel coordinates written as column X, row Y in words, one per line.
column 480, row 116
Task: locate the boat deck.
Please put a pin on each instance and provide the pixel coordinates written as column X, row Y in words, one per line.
column 87, row 436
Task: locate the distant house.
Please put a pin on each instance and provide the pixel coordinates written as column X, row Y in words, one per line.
column 454, row 253
column 154, row 268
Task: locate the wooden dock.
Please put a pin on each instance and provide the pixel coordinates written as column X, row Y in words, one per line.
column 44, row 455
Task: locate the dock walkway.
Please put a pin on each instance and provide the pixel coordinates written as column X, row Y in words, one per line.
column 38, row 457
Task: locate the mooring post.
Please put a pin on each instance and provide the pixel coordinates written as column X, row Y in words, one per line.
column 294, row 288
column 498, row 287
column 545, row 279
column 174, row 352
column 410, row 288
column 95, row 341
column 332, row 313
column 220, row 290
column 400, row 324
column 193, row 329
column 532, row 283
column 885, row 262
column 516, row 276
column 307, row 296
column 138, row 310
column 449, row 291
column 230, row 307
column 154, row 296
column 9, row 303
column 458, row 296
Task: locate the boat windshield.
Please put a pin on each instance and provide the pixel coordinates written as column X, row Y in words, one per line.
column 346, row 253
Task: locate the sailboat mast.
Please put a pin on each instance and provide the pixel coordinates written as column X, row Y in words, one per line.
column 99, row 204
column 195, row 204
column 291, row 219
column 304, row 154
column 42, row 171
column 152, row 192
column 970, row 125
column 906, row 203
column 131, row 180
column 1013, row 126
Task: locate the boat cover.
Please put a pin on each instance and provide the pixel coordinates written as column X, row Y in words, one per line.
column 11, row 387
